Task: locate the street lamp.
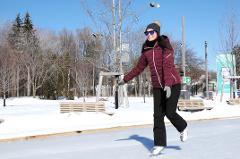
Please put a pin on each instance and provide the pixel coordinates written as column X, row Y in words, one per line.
column 206, row 70
column 119, row 52
column 154, row 5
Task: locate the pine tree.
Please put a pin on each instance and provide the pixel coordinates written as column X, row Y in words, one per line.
column 31, row 40
column 32, row 53
column 15, row 34
column 28, row 26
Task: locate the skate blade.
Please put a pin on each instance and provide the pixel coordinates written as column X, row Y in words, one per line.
column 155, row 155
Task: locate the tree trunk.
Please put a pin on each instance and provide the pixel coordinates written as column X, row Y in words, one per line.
column 84, row 100
column 34, row 89
column 8, row 88
column 68, row 84
column 149, row 88
column 14, row 86
column 4, row 99
column 28, row 82
column 93, row 84
column 140, row 85
column 18, row 81
column 135, row 88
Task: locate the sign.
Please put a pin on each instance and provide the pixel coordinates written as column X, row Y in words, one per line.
column 224, row 69
column 238, row 93
column 186, row 80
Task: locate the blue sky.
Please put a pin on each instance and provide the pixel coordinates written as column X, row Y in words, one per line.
column 202, row 18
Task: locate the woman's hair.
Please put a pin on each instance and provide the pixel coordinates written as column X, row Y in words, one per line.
column 155, row 26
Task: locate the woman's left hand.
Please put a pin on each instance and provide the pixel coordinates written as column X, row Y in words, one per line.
column 168, row 91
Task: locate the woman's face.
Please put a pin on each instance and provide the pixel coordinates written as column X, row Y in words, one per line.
column 151, row 34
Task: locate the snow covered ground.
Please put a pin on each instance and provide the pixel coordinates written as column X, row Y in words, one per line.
column 211, row 139
column 31, row 116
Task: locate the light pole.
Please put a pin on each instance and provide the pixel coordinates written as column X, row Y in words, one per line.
column 183, row 47
column 119, row 25
column 233, row 81
column 120, row 35
column 154, row 5
column 206, row 69
column 183, row 53
column 114, row 28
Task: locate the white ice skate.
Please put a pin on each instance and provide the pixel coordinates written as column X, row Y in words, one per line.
column 156, row 150
column 184, row 135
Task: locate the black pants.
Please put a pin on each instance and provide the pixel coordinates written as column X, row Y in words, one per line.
column 162, row 107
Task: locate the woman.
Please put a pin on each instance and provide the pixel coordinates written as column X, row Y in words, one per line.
column 157, row 53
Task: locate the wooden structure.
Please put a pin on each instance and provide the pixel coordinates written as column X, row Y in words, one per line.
column 73, row 106
column 123, row 98
column 223, row 83
column 235, row 101
column 192, row 105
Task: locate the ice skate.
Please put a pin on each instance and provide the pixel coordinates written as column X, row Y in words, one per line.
column 184, row 135
column 156, row 150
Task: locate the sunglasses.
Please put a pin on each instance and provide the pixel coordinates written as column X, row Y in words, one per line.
column 149, row 32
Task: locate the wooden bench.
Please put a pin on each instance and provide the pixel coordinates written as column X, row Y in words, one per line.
column 191, row 105
column 67, row 107
column 235, row 101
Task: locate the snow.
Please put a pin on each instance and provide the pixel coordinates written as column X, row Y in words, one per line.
column 29, row 116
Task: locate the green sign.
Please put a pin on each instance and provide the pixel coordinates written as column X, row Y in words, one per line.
column 186, row 80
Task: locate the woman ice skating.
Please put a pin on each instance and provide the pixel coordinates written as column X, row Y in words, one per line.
column 157, row 53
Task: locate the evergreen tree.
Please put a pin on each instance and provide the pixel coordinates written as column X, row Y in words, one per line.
column 15, row 34
column 31, row 40
column 28, row 26
column 33, row 58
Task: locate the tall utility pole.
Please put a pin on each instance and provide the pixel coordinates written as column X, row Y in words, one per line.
column 206, row 69
column 183, row 47
column 120, row 35
column 183, row 50
column 114, row 25
column 233, row 73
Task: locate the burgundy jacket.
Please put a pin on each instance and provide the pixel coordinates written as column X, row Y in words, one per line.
column 160, row 59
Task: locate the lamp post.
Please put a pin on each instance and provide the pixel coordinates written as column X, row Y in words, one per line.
column 119, row 52
column 233, row 81
column 183, row 53
column 117, row 26
column 206, row 69
column 154, row 5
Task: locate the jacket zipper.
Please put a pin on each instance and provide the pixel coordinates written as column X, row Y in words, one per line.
column 156, row 69
column 174, row 77
column 171, row 72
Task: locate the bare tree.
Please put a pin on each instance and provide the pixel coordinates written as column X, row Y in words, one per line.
column 67, row 56
column 229, row 38
column 38, row 64
column 91, row 49
column 236, row 52
column 6, row 72
column 108, row 21
column 195, row 65
column 83, row 74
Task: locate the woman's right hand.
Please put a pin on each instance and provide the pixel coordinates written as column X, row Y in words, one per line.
column 121, row 82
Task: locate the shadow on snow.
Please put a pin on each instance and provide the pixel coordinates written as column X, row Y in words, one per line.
column 146, row 142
